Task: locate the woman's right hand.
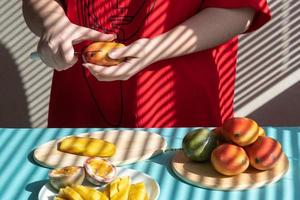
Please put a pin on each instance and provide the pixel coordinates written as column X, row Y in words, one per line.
column 55, row 47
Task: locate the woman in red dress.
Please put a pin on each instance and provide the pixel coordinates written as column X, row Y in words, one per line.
column 182, row 65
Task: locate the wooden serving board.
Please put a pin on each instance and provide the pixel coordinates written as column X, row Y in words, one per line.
column 204, row 175
column 131, row 146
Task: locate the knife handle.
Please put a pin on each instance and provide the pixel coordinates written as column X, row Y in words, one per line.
column 35, row 55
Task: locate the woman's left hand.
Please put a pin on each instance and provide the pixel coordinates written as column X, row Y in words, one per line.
column 137, row 57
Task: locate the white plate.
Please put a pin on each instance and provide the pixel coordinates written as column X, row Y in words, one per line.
column 152, row 187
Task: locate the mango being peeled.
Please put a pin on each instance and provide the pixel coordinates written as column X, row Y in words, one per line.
column 86, row 146
column 66, row 176
column 97, row 53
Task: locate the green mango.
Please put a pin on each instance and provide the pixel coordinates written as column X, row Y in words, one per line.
column 198, row 144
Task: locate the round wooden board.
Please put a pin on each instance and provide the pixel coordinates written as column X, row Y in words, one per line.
column 131, row 147
column 204, row 175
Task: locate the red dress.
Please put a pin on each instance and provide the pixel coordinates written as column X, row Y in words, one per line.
column 187, row 91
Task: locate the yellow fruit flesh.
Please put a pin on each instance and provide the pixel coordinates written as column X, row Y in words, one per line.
column 66, row 170
column 100, row 167
column 119, row 189
column 88, row 193
column 138, row 192
column 58, row 198
column 69, row 193
column 86, row 146
column 113, row 187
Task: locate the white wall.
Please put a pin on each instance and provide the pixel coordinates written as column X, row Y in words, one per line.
column 268, row 73
column 267, row 86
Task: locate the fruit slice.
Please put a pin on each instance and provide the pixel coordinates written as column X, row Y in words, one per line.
column 97, row 53
column 69, row 193
column 138, row 192
column 66, row 176
column 119, row 188
column 229, row 159
column 106, row 191
column 242, row 131
column 99, row 170
column 198, row 144
column 58, row 198
column 264, row 153
column 86, row 146
column 88, row 193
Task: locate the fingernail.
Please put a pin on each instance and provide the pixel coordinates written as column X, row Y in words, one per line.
column 112, row 54
column 85, row 65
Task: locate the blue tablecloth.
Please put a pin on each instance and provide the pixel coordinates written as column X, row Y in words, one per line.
column 21, row 178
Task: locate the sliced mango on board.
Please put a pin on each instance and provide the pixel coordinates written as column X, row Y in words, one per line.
column 86, row 146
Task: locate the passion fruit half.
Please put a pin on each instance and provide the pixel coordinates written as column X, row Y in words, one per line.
column 99, row 171
column 66, row 176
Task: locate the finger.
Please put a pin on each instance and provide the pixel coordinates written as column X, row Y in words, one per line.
column 90, row 34
column 119, row 53
column 51, row 55
column 135, row 50
column 58, row 60
column 67, row 53
column 101, row 70
column 128, row 51
column 103, row 73
column 45, row 53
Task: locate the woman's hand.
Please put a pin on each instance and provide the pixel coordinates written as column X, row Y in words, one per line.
column 56, row 43
column 138, row 56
